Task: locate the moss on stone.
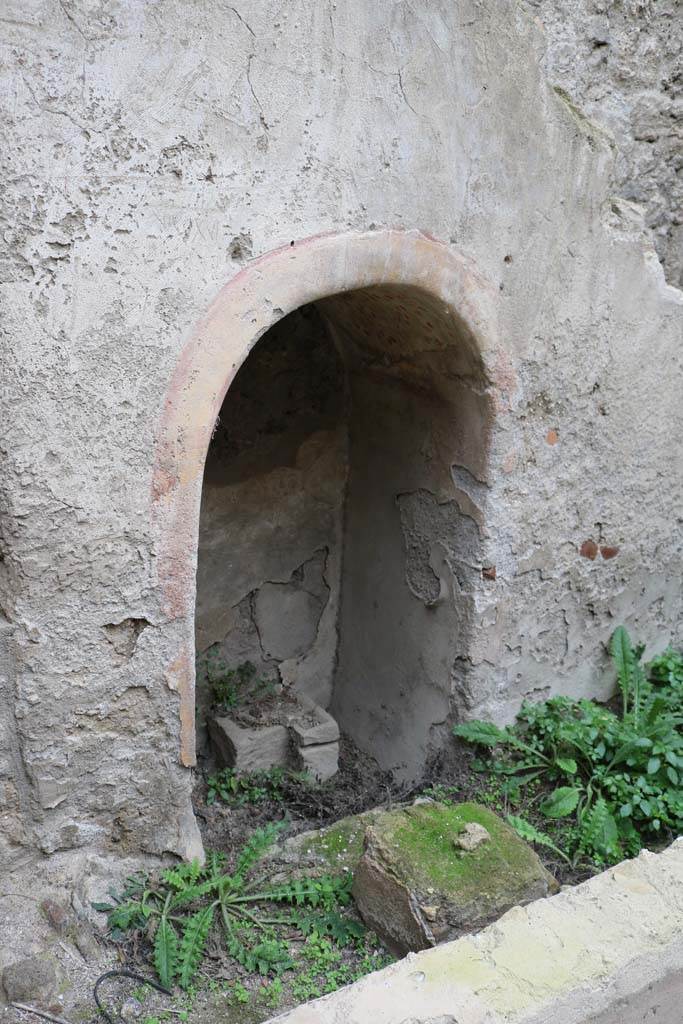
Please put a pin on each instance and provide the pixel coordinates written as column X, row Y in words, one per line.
column 418, row 844
column 340, row 846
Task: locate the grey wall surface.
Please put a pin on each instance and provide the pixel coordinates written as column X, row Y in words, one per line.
column 151, row 149
column 412, row 547
column 620, row 62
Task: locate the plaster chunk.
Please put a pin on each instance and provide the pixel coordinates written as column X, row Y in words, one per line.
column 472, row 836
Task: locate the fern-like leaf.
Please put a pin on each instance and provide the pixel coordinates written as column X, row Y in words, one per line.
column 127, row 915
column 239, row 952
column 344, row 930
column 193, row 892
column 599, row 832
column 313, row 892
column 256, row 846
column 182, row 875
column 530, row 834
column 639, row 691
column 194, row 939
column 166, row 952
column 624, row 660
column 215, row 862
column 272, row 957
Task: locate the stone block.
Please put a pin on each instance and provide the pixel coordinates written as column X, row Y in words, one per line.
column 314, row 726
column 321, row 761
column 333, row 850
column 416, row 887
column 250, row 749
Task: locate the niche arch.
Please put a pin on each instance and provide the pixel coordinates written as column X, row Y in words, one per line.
column 409, row 309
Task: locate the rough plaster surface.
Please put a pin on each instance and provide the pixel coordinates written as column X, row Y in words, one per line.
column 621, row 62
column 606, row 952
column 152, row 150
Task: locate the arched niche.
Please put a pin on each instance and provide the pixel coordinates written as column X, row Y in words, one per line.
column 411, row 323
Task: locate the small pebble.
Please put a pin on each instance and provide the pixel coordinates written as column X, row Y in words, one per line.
column 131, row 1009
column 472, row 836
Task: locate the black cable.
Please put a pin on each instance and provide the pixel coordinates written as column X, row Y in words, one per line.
column 123, row 974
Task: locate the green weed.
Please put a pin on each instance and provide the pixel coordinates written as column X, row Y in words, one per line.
column 183, row 905
column 326, row 970
column 231, row 687
column 240, row 788
column 618, row 778
column 238, row 994
column 271, row 994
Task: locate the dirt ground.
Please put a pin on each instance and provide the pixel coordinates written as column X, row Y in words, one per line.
column 359, row 786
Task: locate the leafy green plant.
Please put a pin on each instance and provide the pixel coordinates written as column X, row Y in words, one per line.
column 618, row 776
column 231, row 687
column 183, row 905
column 271, row 993
column 531, row 834
column 325, row 970
column 238, row 994
column 239, row 788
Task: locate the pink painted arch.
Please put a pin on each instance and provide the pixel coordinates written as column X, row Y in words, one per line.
column 266, row 290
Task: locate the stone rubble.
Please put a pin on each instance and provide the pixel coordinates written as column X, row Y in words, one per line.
column 309, row 741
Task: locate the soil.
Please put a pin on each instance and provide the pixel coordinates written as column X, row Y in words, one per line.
column 358, row 785
column 263, row 709
column 361, row 785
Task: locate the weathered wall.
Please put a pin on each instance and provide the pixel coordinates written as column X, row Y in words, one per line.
column 620, row 61
column 606, row 952
column 151, row 148
column 412, row 560
column 271, row 520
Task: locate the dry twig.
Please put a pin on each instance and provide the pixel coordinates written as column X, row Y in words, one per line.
column 39, row 1013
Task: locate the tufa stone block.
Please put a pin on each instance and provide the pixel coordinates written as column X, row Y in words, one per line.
column 250, row 749
column 314, row 726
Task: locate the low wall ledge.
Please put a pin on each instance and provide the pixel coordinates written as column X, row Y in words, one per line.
column 609, row 951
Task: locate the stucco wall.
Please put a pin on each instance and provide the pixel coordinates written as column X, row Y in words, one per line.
column 620, row 62
column 144, row 142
